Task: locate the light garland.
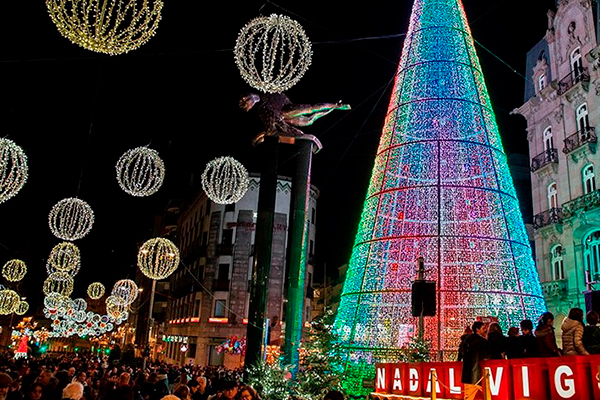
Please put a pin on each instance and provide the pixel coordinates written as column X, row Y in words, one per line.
column 22, row 308
column 225, row 180
column 158, row 258
column 125, row 291
column 110, row 27
column 272, row 53
column 64, row 257
column 71, row 219
column 9, row 300
column 140, row 171
column 14, row 270
column 58, row 282
column 53, row 300
column 13, row 169
column 95, row 290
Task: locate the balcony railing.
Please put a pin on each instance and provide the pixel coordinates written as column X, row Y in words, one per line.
column 579, row 138
column 546, row 157
column 554, row 289
column 548, row 217
column 574, row 77
column 586, row 202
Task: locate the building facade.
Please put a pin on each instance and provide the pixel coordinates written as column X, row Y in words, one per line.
column 562, row 99
column 210, row 292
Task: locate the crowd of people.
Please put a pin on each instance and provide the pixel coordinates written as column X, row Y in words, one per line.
column 481, row 341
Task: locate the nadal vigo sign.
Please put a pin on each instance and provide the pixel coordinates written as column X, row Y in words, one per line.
column 559, row 378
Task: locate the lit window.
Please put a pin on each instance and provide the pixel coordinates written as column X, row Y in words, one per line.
column 558, row 270
column 591, row 254
column 589, row 179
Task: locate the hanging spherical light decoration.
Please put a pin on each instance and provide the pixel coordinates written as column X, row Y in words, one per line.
column 95, row 290
column 272, row 53
column 9, row 300
column 64, row 257
column 13, row 169
column 53, row 300
column 71, row 219
column 158, row 258
column 140, row 171
column 14, row 270
column 225, row 180
column 125, row 291
column 115, row 310
column 110, row 27
column 22, row 308
column 58, row 282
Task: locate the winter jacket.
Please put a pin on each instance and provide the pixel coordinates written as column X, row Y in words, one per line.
column 497, row 345
column 591, row 339
column 572, row 333
column 476, row 349
column 546, row 341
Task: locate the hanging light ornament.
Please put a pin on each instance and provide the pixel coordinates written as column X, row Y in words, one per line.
column 64, row 257
column 71, row 219
column 22, row 308
column 272, row 53
column 95, row 290
column 58, row 282
column 140, row 171
column 111, row 27
column 158, row 258
column 9, row 300
column 53, row 300
column 14, row 270
column 125, row 291
column 225, row 180
column 13, row 169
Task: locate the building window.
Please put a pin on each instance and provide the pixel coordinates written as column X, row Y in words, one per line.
column 227, row 237
column 583, row 122
column 591, row 254
column 542, row 82
column 223, row 274
column 548, row 140
column 220, row 306
column 576, row 64
column 552, row 196
column 311, row 249
column 589, row 179
column 558, row 270
column 313, row 216
column 196, row 308
column 214, row 357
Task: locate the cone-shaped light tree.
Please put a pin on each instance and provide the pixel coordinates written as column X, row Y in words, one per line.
column 440, row 189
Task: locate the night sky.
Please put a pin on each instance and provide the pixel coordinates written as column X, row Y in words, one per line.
column 75, row 113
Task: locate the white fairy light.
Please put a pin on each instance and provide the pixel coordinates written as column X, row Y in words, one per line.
column 140, row 171
column 9, row 300
column 13, row 169
column 95, row 290
column 225, row 180
column 158, row 258
column 64, row 257
column 272, row 53
column 71, row 219
column 22, row 308
column 125, row 291
column 53, row 300
column 14, row 270
column 58, row 282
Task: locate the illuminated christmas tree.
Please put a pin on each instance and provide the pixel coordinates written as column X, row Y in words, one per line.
column 440, row 189
column 22, row 349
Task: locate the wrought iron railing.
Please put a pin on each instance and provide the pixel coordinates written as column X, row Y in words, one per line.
column 553, row 289
column 546, row 157
column 586, row 202
column 574, row 77
column 548, row 217
column 579, row 138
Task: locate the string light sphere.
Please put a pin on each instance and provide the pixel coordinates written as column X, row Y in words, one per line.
column 111, row 27
column 53, row 300
column 95, row 290
column 13, row 169
column 22, row 308
column 272, row 53
column 140, row 172
column 9, row 300
column 79, row 304
column 225, row 180
column 58, row 282
column 158, row 258
column 64, row 257
column 14, row 270
column 71, row 219
column 125, row 291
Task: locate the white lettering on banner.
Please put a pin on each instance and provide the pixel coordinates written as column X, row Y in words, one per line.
column 397, row 381
column 568, row 390
column 413, row 379
column 453, row 388
column 381, row 378
column 525, row 374
column 437, row 384
column 495, row 382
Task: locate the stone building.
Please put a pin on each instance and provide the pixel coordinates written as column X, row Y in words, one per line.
column 209, row 293
column 562, row 99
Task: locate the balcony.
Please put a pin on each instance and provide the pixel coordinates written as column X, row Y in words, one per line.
column 572, row 79
column 548, row 217
column 579, row 139
column 586, row 202
column 547, row 157
column 555, row 289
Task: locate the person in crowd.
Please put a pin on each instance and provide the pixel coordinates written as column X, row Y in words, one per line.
column 122, row 390
column 514, row 346
column 5, row 381
column 335, row 394
column 544, row 335
column 182, row 392
column 528, row 341
column 199, row 388
column 34, row 392
column 496, row 341
column 160, row 386
column 572, row 333
column 73, row 391
column 461, row 352
column 476, row 349
column 248, row 393
column 71, row 371
column 228, row 391
column 591, row 333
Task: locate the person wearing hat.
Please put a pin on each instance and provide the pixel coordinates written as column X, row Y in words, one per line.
column 5, row 381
